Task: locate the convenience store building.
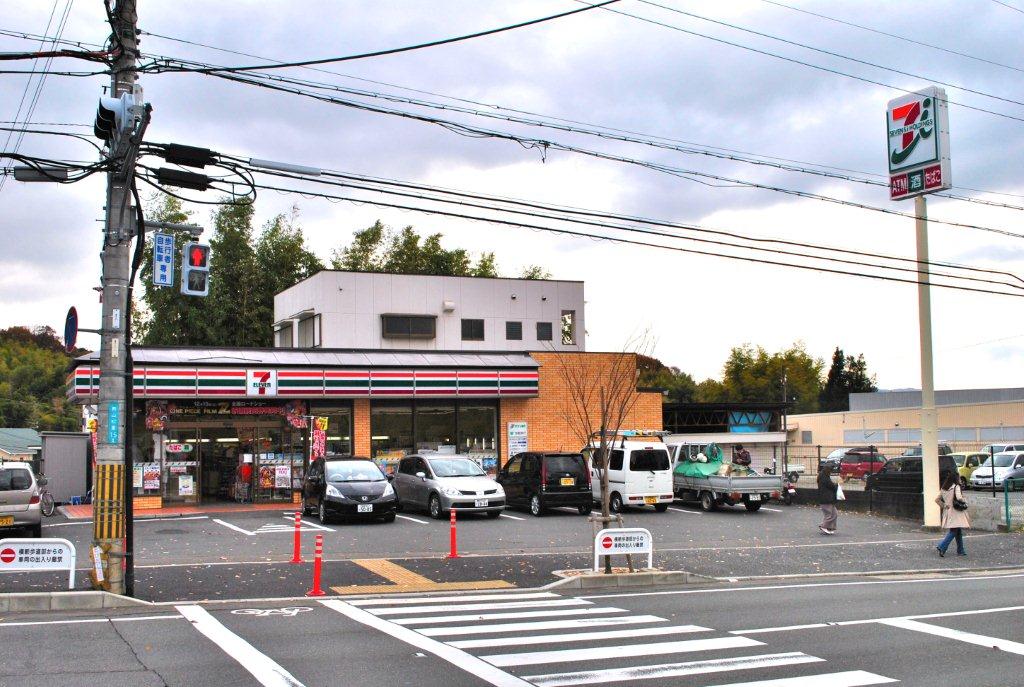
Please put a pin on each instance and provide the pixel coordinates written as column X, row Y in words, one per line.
column 395, row 363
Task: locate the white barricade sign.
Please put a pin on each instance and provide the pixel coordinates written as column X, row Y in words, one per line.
column 622, row 540
column 38, row 554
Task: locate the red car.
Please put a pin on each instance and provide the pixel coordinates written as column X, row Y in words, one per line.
column 857, row 464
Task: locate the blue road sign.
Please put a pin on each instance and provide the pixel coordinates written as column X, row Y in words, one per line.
column 163, row 259
column 114, row 422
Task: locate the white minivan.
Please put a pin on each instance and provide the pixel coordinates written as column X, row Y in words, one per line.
column 639, row 474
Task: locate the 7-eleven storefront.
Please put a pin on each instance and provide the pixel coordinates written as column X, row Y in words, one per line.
column 235, row 424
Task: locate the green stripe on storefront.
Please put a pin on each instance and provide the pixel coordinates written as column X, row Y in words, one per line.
column 172, row 381
column 240, row 383
column 519, row 382
column 393, row 382
column 299, row 382
column 332, row 383
column 435, row 382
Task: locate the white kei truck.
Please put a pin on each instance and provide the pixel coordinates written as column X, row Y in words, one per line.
column 639, row 470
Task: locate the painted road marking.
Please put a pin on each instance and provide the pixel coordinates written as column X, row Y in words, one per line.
column 234, row 527
column 960, row 635
column 305, row 523
column 849, row 678
column 577, row 636
column 77, row 621
column 402, row 580
column 467, row 662
column 502, row 604
column 532, row 658
column 589, row 677
column 511, row 517
column 688, row 512
column 504, row 616
column 771, row 510
column 539, row 625
column 137, row 521
column 274, row 528
column 406, row 517
column 808, row 585
column 498, row 596
column 266, row 671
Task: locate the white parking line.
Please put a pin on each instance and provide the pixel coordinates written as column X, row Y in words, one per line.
column 307, row 523
column 234, row 527
column 266, row 671
column 511, row 517
column 688, row 512
column 137, row 520
column 406, row 517
column 771, row 510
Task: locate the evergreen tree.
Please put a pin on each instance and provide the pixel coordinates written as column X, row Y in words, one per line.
column 833, row 395
column 233, row 306
column 33, row 373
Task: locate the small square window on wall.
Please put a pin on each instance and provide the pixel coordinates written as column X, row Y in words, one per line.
column 568, row 327
column 472, row 330
column 543, row 331
column 514, row 331
column 806, row 437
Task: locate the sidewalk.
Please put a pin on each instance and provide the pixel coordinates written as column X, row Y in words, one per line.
column 84, row 512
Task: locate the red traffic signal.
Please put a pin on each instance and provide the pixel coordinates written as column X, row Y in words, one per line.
column 198, row 255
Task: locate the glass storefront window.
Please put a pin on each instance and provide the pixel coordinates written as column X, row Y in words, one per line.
column 391, row 431
column 478, row 426
column 435, row 427
column 339, row 428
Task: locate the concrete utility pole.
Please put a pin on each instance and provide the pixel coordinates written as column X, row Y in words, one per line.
column 109, row 511
column 929, row 416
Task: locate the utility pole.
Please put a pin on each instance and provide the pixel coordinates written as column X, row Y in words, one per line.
column 929, row 416
column 111, row 483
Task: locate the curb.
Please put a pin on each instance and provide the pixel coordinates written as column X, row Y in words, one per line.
column 66, row 601
column 653, row 578
column 869, row 573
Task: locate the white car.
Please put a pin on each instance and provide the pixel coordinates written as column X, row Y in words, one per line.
column 1004, row 463
column 639, row 474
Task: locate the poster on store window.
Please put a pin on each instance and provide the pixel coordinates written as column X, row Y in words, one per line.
column 151, row 476
column 282, row 477
column 137, row 477
column 185, row 485
column 266, row 477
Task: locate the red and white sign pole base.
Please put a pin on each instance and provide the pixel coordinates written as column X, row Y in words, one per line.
column 454, row 553
column 297, row 548
column 318, row 554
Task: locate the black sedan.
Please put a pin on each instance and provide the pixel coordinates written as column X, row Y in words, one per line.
column 350, row 487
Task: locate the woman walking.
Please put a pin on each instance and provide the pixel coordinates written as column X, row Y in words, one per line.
column 827, row 491
column 953, row 519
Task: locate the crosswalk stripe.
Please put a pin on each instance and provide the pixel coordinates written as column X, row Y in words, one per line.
column 489, row 605
column 413, row 600
column 467, row 662
column 538, row 625
column 648, row 672
column 266, row 671
column 532, row 658
column 503, row 616
column 577, row 636
column 849, row 678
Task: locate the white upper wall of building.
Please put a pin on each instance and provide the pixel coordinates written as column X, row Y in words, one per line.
column 338, row 309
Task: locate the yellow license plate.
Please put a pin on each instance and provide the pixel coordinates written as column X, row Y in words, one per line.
column 650, row 499
column 567, row 481
column 6, row 520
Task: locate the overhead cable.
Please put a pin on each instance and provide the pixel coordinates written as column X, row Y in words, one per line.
column 392, row 51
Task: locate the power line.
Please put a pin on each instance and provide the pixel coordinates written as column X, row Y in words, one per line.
column 829, row 52
column 545, row 145
column 800, row 62
column 589, row 219
column 1008, row 6
column 616, row 239
column 892, row 35
column 418, row 46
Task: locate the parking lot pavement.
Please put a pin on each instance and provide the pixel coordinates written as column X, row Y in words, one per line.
column 244, row 555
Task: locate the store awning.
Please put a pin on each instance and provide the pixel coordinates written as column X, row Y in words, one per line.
column 186, row 372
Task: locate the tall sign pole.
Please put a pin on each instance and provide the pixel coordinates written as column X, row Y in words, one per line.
column 918, row 130
column 109, row 509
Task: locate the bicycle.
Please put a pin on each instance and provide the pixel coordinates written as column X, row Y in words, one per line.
column 46, row 503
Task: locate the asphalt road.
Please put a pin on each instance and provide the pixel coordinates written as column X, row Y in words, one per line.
column 245, row 555
column 936, row 630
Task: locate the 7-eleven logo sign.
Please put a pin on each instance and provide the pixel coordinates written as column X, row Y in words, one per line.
column 912, row 131
column 261, row 382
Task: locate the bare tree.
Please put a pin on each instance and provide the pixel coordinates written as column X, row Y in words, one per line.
column 602, row 394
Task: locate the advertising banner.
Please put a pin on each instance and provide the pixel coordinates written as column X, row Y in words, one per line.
column 186, row 485
column 918, row 131
column 282, row 477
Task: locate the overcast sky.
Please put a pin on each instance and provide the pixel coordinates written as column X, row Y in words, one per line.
column 604, row 69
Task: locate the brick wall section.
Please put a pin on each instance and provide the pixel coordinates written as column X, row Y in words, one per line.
column 547, row 429
column 361, row 427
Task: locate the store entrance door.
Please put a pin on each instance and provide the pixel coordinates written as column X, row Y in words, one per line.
column 277, row 458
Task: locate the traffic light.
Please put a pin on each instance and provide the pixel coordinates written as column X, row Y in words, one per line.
column 195, row 269
column 115, row 117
